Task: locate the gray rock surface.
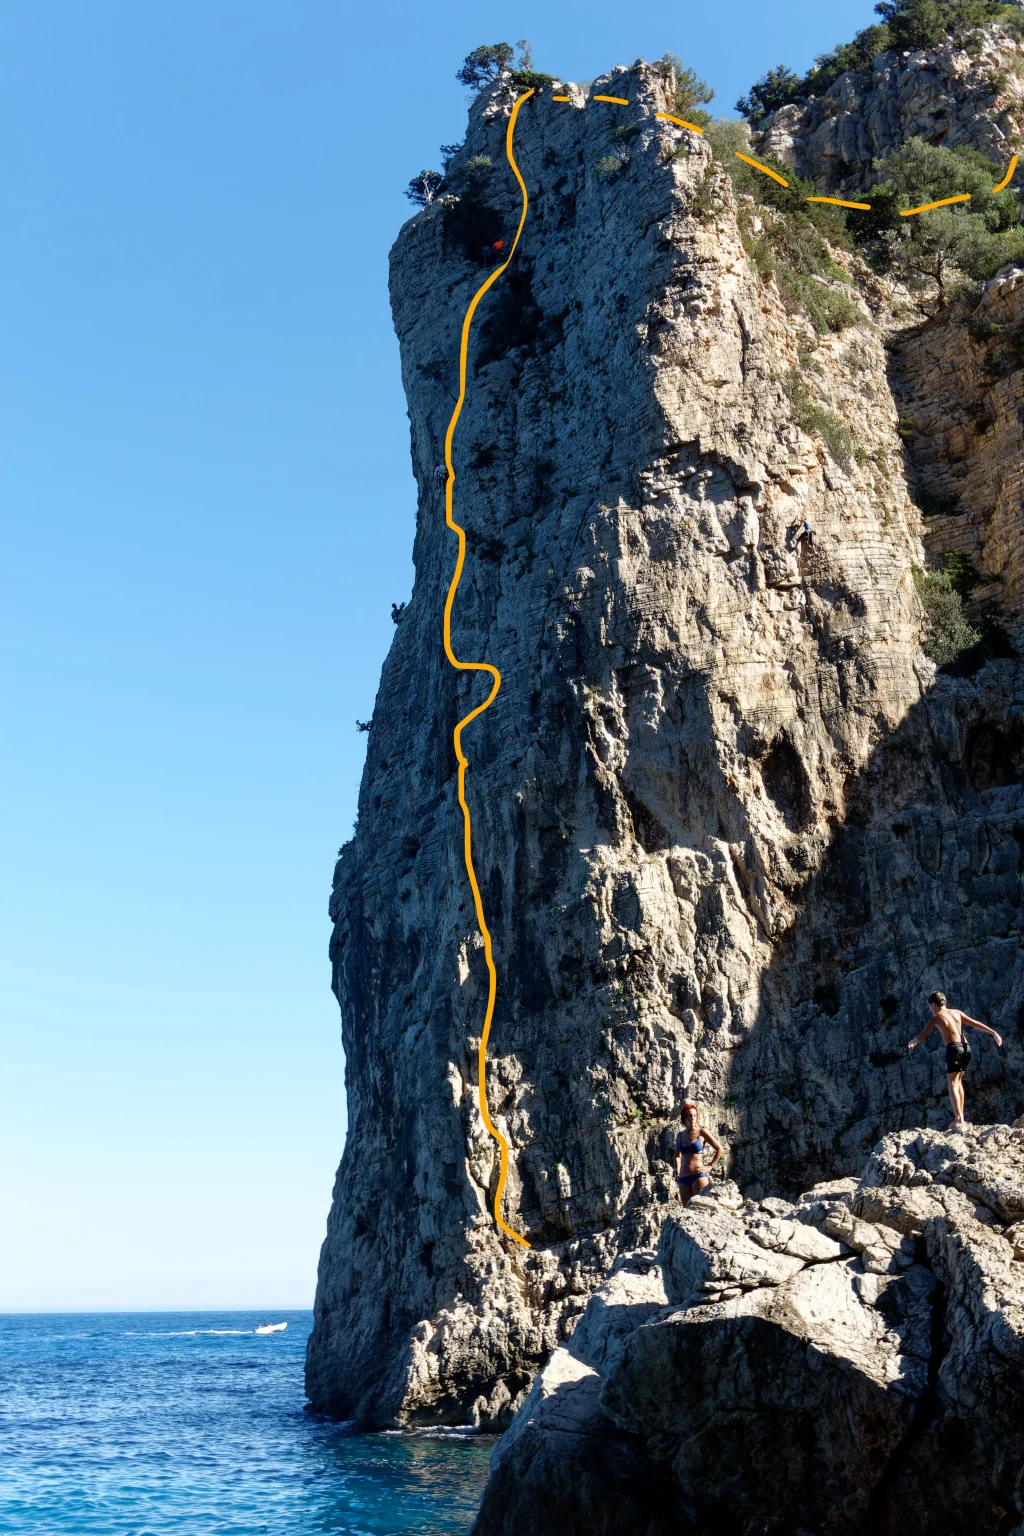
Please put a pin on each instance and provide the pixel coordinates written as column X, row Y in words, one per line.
column 729, row 825
column 873, row 1385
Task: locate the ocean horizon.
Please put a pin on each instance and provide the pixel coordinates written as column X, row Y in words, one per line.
column 160, row 1422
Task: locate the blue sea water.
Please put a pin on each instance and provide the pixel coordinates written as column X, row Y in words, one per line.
column 148, row 1424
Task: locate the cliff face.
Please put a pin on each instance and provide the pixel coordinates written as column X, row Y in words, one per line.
column 729, row 826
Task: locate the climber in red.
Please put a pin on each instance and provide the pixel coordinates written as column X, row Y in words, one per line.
column 950, row 1024
column 690, row 1144
column 498, row 248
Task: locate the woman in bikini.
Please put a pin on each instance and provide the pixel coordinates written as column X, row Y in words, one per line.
column 691, row 1175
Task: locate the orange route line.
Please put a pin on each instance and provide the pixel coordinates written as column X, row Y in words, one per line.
column 620, row 101
column 1008, row 177
column 680, row 120
column 943, row 202
column 479, row 666
column 561, row 98
column 839, row 202
column 759, row 167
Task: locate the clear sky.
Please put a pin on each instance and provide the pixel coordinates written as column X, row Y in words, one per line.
column 208, row 510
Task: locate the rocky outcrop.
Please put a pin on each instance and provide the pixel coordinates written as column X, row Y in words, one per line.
column 848, row 1362
column 950, row 96
column 729, row 825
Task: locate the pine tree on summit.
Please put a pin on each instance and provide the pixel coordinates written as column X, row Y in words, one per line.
column 485, row 64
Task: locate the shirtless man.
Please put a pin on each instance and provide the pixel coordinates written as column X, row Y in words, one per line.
column 950, row 1024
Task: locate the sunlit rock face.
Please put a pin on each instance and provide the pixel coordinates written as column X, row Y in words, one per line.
column 730, row 828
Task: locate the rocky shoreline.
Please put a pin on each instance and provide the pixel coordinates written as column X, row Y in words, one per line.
column 850, row 1362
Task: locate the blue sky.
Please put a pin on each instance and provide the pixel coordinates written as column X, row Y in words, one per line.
column 207, row 512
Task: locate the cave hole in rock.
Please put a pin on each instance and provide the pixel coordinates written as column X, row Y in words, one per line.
column 786, row 784
column 647, row 829
column 994, row 755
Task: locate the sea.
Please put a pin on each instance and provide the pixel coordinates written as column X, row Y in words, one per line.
column 153, row 1423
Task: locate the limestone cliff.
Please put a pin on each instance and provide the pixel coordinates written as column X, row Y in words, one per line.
column 731, row 826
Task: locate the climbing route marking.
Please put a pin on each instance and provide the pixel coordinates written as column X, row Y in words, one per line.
column 479, row 666
column 759, row 167
column 1008, row 177
column 484, row 666
column 680, row 120
column 839, row 202
column 943, row 202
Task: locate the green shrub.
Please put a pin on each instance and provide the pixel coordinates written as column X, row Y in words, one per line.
column 826, row 308
column 963, row 574
column 531, row 79
column 477, row 169
column 810, row 417
column 947, row 633
column 610, row 166
column 847, row 58
column 706, row 201
column 726, row 135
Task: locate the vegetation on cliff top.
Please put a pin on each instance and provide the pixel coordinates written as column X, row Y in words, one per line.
column 907, row 24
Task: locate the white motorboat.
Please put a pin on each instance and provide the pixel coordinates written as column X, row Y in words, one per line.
column 270, row 1328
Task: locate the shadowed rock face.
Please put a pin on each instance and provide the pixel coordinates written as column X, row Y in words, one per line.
column 847, row 1363
column 724, row 816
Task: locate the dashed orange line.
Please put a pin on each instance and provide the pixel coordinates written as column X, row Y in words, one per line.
column 766, row 168
column 680, row 120
column 620, row 101
column 561, row 98
column 1008, row 177
column 479, row 666
column 838, row 201
column 943, row 202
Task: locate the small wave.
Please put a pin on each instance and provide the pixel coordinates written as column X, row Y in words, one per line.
column 435, row 1432
column 181, row 1333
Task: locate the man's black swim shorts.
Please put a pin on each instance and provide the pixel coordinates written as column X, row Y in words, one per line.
column 958, row 1057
